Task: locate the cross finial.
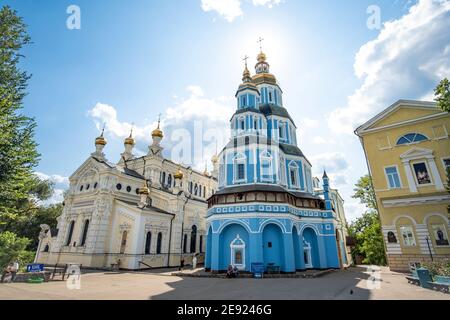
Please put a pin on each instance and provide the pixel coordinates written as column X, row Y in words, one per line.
column 260, row 40
column 131, row 131
column 103, row 129
column 159, row 119
column 245, row 59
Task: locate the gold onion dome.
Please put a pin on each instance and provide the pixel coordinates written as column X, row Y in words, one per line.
column 178, row 174
column 144, row 190
column 101, row 139
column 261, row 57
column 130, row 140
column 158, row 132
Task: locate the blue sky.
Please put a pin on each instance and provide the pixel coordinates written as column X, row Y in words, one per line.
column 132, row 60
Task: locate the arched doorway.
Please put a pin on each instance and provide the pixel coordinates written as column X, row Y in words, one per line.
column 310, row 249
column 193, row 239
column 123, row 243
column 148, row 242
column 273, row 247
column 233, row 246
column 297, row 247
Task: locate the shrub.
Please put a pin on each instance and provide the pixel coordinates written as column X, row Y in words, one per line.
column 439, row 268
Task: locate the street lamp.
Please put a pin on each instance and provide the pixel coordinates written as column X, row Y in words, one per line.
column 429, row 248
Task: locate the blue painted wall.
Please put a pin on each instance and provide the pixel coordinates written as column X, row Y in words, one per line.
column 227, row 235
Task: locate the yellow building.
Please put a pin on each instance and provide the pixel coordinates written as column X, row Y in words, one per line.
column 407, row 148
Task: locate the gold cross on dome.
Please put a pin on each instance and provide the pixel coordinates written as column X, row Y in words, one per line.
column 260, row 40
column 245, row 59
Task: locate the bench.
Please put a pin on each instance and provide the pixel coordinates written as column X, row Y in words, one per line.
column 440, row 283
column 272, row 268
column 413, row 278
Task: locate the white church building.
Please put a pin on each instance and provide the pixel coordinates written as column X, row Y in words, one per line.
column 138, row 213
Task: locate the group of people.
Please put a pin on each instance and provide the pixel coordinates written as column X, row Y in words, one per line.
column 10, row 272
column 232, row 271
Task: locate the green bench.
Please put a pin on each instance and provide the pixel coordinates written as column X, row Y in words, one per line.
column 440, row 283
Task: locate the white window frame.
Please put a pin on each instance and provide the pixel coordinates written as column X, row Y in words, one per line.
column 411, row 228
column 294, row 165
column 387, row 177
column 239, row 159
column 445, row 232
column 266, row 156
column 282, row 125
column 410, row 143
column 415, row 176
column 233, row 248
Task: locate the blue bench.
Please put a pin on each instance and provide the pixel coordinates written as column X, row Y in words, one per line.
column 413, row 278
column 440, row 283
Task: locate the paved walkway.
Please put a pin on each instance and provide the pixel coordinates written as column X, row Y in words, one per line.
column 353, row 283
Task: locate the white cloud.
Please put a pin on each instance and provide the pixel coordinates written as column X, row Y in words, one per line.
column 193, row 124
column 231, row 9
column 319, row 140
column 61, row 184
column 309, row 123
column 405, row 61
column 55, row 178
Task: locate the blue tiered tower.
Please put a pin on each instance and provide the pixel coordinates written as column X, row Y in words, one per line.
column 265, row 210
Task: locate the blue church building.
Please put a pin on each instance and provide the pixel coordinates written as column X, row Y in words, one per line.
column 265, row 210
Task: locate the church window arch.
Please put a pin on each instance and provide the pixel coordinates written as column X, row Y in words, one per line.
column 200, row 244
column 411, row 138
column 195, row 189
column 293, row 174
column 240, row 170
column 70, row 232
column 185, row 243
column 169, row 180
column 193, row 239
column 241, row 123
column 266, row 166
column 148, row 242
column 159, row 243
column 47, row 248
column 85, row 232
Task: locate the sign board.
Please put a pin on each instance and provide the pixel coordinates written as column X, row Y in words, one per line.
column 35, row 267
column 257, row 268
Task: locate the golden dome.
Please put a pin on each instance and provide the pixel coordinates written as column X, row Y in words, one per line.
column 101, row 139
column 261, row 57
column 178, row 174
column 144, row 190
column 130, row 140
column 158, row 132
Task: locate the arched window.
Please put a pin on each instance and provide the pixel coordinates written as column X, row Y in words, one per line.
column 163, row 181
column 293, row 174
column 237, row 247
column 169, row 180
column 85, row 231
column 193, row 239
column 159, row 243
column 239, row 168
column 185, row 243
column 411, row 138
column 242, row 123
column 70, row 233
column 47, row 248
column 204, row 191
column 195, row 189
column 201, row 244
column 266, row 167
column 148, row 242
column 123, row 243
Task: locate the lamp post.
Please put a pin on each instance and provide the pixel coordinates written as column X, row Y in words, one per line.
column 429, row 248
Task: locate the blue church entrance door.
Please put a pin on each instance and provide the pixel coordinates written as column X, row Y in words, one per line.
column 311, row 248
column 273, row 247
column 234, row 241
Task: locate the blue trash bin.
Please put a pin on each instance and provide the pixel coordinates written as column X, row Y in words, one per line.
column 424, row 277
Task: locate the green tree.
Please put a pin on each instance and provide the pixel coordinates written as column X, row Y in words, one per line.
column 442, row 95
column 13, row 248
column 18, row 150
column 366, row 230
